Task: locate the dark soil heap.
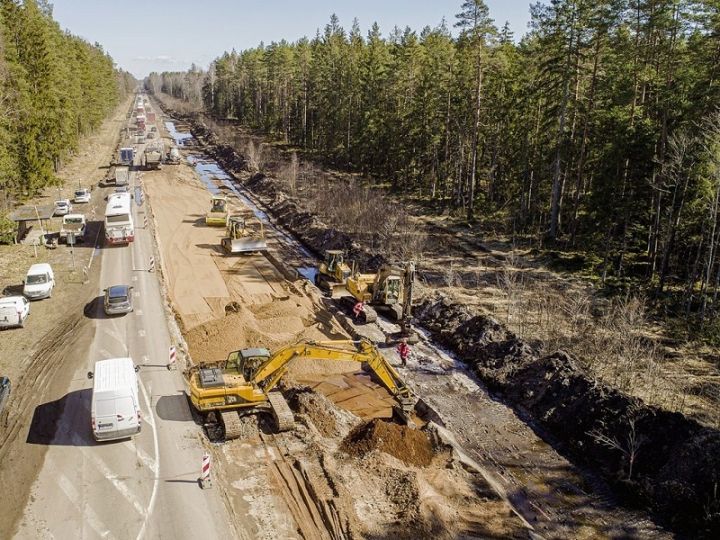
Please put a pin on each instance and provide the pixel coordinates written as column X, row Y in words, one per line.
column 411, row 446
column 677, row 470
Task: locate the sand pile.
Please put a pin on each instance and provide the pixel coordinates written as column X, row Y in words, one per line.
column 411, row 446
column 282, row 322
column 329, row 420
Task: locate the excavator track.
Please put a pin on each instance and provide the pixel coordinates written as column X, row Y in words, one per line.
column 232, row 425
column 369, row 314
column 284, row 418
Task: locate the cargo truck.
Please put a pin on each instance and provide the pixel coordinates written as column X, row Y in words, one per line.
column 152, row 156
column 122, row 176
column 127, row 155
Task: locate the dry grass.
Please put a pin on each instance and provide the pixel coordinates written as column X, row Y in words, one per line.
column 612, row 338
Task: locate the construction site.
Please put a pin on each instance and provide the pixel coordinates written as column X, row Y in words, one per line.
column 461, row 464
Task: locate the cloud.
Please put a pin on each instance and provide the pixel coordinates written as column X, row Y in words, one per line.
column 160, row 59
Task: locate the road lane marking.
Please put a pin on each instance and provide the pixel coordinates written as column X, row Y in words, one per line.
column 141, row 333
column 156, row 480
column 88, row 514
column 138, row 312
column 124, row 490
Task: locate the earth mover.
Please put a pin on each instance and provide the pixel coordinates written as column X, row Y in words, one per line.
column 246, row 381
column 387, row 290
column 217, row 216
column 244, row 235
column 332, row 272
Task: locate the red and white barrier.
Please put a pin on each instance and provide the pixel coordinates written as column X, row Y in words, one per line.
column 172, row 358
column 145, row 221
column 205, row 480
column 152, row 264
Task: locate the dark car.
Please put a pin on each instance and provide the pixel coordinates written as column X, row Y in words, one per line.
column 4, row 391
column 118, row 300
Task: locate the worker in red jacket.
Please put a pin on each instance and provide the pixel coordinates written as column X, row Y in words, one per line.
column 403, row 350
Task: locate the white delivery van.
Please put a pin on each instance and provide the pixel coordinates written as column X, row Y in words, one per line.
column 39, row 282
column 13, row 311
column 115, row 410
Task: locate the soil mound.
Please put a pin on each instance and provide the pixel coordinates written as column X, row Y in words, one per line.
column 673, row 473
column 409, row 445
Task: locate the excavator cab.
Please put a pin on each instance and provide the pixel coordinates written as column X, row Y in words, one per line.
column 250, row 360
column 390, row 292
column 333, row 260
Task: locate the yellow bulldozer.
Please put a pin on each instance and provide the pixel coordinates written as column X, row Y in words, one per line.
column 332, row 272
column 244, row 235
column 246, row 381
column 217, row 216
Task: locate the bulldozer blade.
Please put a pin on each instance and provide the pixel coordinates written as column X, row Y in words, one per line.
column 243, row 246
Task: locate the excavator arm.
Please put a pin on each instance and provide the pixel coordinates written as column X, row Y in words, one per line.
column 270, row 372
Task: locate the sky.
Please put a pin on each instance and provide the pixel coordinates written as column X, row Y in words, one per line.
column 170, row 35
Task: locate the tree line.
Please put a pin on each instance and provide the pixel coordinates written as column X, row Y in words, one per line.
column 54, row 87
column 598, row 131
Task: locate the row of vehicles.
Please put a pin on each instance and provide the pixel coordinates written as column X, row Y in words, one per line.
column 115, row 406
column 38, row 284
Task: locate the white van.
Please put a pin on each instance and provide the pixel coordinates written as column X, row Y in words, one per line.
column 39, row 282
column 115, row 410
column 13, row 311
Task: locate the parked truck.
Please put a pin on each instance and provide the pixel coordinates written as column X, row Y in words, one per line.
column 152, row 156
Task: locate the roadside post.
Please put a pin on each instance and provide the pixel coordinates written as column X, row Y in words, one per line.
column 71, row 243
column 172, row 359
column 205, row 480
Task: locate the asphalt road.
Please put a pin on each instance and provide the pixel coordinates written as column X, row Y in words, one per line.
column 144, row 487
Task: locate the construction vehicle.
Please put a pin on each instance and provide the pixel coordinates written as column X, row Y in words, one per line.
column 218, row 214
column 152, row 156
column 173, row 156
column 245, row 382
column 386, row 289
column 332, row 272
column 244, row 235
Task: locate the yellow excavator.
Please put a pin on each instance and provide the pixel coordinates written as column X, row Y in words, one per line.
column 332, row 272
column 247, row 378
column 390, row 290
column 217, row 216
column 244, row 234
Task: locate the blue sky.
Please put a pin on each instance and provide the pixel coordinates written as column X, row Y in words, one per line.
column 169, row 35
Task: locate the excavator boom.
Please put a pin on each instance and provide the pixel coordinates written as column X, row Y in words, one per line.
column 268, row 374
column 247, row 378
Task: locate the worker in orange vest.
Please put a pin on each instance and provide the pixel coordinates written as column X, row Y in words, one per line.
column 403, row 350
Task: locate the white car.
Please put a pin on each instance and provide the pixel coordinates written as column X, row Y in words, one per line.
column 62, row 207
column 13, row 311
column 82, row 195
column 39, row 282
